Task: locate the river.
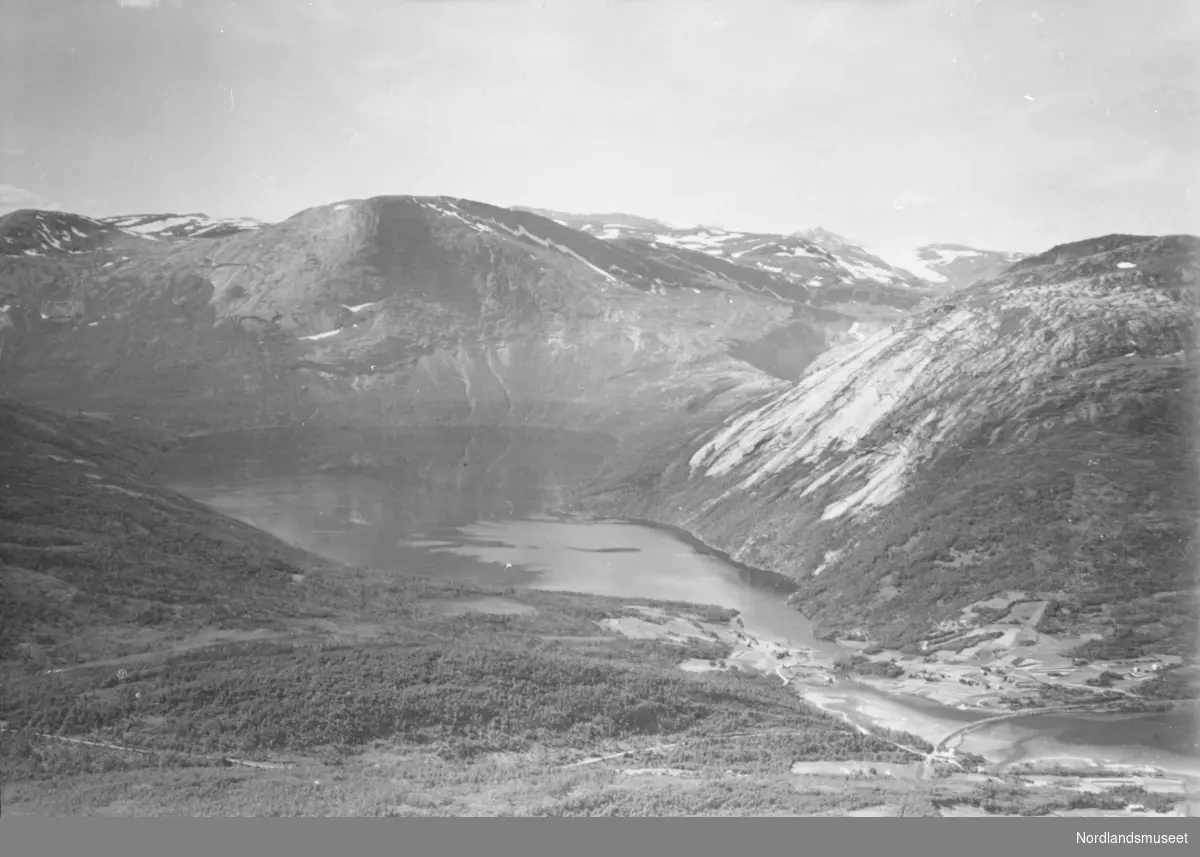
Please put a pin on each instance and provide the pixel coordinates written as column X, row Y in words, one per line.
column 472, row 505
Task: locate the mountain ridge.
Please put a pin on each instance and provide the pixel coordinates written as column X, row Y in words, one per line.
column 888, row 480
column 954, row 265
column 755, row 249
column 454, row 307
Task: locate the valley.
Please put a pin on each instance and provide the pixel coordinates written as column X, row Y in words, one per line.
column 423, row 506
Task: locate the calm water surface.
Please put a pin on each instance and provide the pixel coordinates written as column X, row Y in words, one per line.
column 471, row 506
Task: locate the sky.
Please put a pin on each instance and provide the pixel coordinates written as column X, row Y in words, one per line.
column 1004, row 124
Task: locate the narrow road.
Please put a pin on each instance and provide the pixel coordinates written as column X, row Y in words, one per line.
column 941, row 748
column 147, row 751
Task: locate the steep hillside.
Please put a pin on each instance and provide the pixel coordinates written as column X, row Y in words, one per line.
column 1032, row 433
column 399, row 310
column 91, row 549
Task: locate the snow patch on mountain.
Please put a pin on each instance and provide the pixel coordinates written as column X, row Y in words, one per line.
column 324, row 335
column 949, row 255
column 910, row 261
column 183, row 225
column 867, row 271
column 31, row 232
column 704, row 240
column 521, row 231
column 814, row 258
column 952, row 265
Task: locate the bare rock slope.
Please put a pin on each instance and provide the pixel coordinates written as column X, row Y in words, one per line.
column 1031, row 433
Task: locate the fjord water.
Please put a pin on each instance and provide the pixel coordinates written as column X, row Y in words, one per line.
column 474, row 504
column 467, row 505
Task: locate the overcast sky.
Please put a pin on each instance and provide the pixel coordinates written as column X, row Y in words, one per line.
column 1006, row 124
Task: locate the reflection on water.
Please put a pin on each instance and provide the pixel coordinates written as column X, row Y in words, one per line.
column 347, row 518
column 629, row 560
column 413, row 480
column 470, row 505
column 1166, row 739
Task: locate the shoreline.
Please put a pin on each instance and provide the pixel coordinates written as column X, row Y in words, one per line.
column 758, row 576
column 930, row 703
column 869, row 708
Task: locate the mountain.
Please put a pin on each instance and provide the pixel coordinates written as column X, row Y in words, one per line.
column 392, row 310
column 953, row 266
column 860, row 265
column 30, row 232
column 184, row 225
column 567, row 219
column 1028, row 434
column 838, row 275
column 40, row 233
column 89, row 540
column 813, row 260
column 848, row 261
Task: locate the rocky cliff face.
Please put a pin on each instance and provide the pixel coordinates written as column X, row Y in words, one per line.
column 1030, row 433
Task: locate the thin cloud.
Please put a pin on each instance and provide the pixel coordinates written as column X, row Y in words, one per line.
column 911, row 199
column 585, row 105
column 13, row 198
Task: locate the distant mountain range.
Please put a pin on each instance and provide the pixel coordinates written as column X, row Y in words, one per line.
column 35, row 233
column 427, row 309
column 184, row 225
column 816, row 258
column 290, row 312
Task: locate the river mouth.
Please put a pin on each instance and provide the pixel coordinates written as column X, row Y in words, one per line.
column 477, row 506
